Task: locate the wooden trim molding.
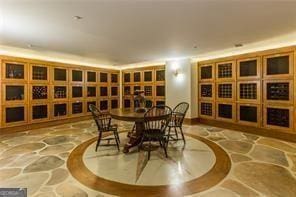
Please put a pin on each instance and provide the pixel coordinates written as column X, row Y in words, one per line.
column 215, row 175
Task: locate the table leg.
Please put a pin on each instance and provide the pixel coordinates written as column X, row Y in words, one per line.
column 135, row 138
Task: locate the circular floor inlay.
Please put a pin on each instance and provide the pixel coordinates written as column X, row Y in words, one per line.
column 184, row 163
column 195, row 167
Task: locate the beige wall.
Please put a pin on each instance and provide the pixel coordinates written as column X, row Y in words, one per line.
column 182, row 87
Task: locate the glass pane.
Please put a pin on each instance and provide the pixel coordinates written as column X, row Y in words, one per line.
column 77, row 75
column 127, row 77
column 15, row 114
column 39, row 73
column 148, row 90
column 160, row 103
column 14, row 93
column 60, row 74
column 39, row 112
column 206, row 109
column 225, row 111
column 160, row 91
column 248, row 91
column 91, row 91
column 60, row 92
column 127, row 103
column 248, row 113
column 103, row 91
column 278, row 91
column 148, row 76
column 60, row 109
column 137, row 77
column 225, row 90
column 114, row 104
column 225, row 70
column 206, row 90
column 77, row 108
column 39, row 92
column 248, row 68
column 160, row 75
column 77, row 92
column 104, row 105
column 104, row 77
column 91, row 76
column 15, row 71
column 137, row 88
column 114, row 91
column 206, row 72
column 278, row 65
column 278, row 117
column 127, row 90
column 114, row 78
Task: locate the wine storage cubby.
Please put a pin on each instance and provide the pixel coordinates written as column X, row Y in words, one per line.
column 248, row 114
column 60, row 75
column 248, row 68
column 148, row 90
column 103, row 77
column 137, row 88
column 148, row 76
column 14, row 71
column 114, row 78
column 104, row 105
column 39, row 92
column 127, row 90
column 76, row 76
column 206, row 72
column 14, row 115
column 114, row 91
column 225, row 111
column 127, row 103
column 39, row 112
column 160, row 91
column 77, row 108
column 39, row 74
column 91, row 77
column 91, row 91
column 103, row 91
column 60, row 92
column 126, row 77
column 225, row 91
column 14, row 93
column 137, row 77
column 207, row 109
column 225, row 71
column 160, row 75
column 114, row 104
column 76, row 92
column 278, row 91
column 248, row 91
column 278, row 65
column 60, row 110
column 278, row 117
column 206, row 91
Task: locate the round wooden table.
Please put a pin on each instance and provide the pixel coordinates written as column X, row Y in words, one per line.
column 131, row 116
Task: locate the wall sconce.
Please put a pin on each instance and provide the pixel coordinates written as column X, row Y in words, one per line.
column 176, row 72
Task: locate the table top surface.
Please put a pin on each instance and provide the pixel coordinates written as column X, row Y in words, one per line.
column 127, row 115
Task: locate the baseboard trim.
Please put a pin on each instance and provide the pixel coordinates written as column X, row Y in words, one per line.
column 42, row 125
column 191, row 121
column 253, row 130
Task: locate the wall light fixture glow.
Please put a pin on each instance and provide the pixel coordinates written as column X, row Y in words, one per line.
column 176, row 72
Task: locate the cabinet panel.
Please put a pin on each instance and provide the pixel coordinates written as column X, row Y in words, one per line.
column 148, row 76
column 14, row 71
column 60, row 75
column 278, row 117
column 114, row 91
column 91, row 76
column 207, row 91
column 249, row 114
column 248, row 91
column 103, row 91
column 103, row 77
column 104, row 105
column 207, row 110
column 225, row 91
column 39, row 112
column 126, row 77
column 248, row 68
column 114, row 103
column 76, row 92
column 225, row 71
column 60, row 110
column 91, row 91
column 160, row 75
column 39, row 92
column 278, row 91
column 137, row 76
column 14, row 115
column 76, row 108
column 90, row 102
column 206, row 72
column 226, row 111
column 39, row 73
column 114, row 78
column 60, row 92
column 160, row 91
column 14, row 93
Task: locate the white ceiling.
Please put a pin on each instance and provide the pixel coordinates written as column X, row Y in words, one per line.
column 129, row 31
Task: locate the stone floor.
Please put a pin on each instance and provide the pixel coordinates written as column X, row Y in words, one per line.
column 36, row 159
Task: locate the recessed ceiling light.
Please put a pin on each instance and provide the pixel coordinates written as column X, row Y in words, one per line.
column 238, row 45
column 77, row 17
column 195, row 47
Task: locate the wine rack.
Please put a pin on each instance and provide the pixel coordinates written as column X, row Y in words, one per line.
column 39, row 73
column 248, row 114
column 148, row 91
column 225, row 91
column 206, row 109
column 278, row 91
column 15, row 71
column 39, row 112
column 114, row 91
column 114, row 103
column 60, row 75
column 77, row 108
column 91, row 91
column 104, row 105
column 127, row 90
column 127, row 77
column 248, row 68
column 137, row 76
column 60, row 92
column 248, row 91
column 148, row 76
column 206, row 91
column 77, row 92
column 39, row 92
column 15, row 93
column 225, row 71
column 114, row 78
column 278, row 117
column 160, row 91
column 103, row 77
column 103, row 91
column 91, row 77
column 160, row 75
column 206, row 72
column 60, row 110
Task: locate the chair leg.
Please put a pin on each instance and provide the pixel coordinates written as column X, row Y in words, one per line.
column 140, row 144
column 176, row 133
column 182, row 134
column 164, row 148
column 99, row 140
column 149, row 149
column 116, row 139
column 117, row 135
